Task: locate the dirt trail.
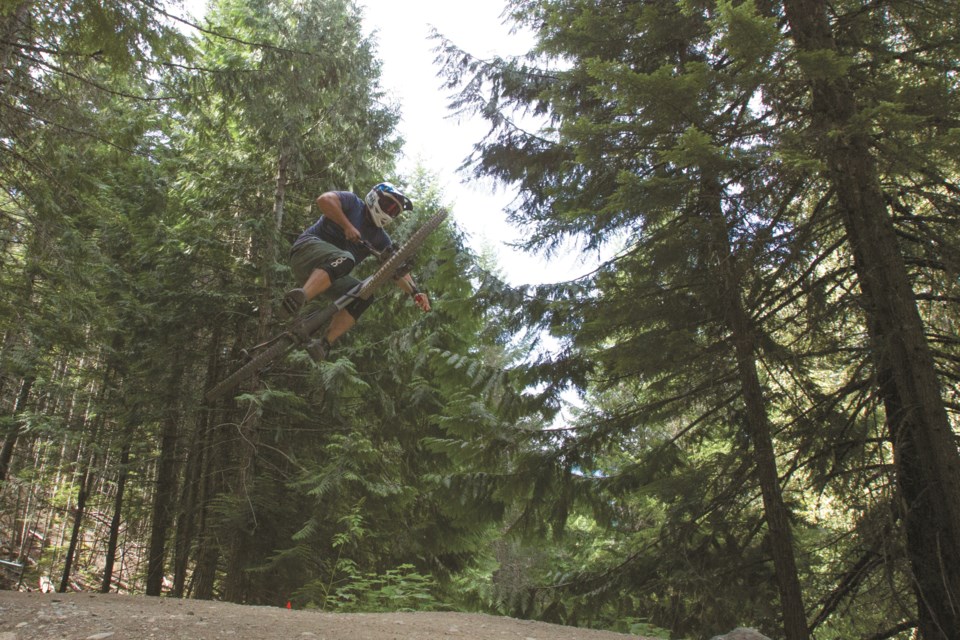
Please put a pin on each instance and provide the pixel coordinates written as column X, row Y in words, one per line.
column 87, row 616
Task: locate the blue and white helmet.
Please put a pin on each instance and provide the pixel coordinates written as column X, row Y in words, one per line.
column 385, row 203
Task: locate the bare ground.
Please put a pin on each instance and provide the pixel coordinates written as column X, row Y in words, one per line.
column 87, row 616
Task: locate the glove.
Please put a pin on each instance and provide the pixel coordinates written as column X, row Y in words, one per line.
column 422, row 301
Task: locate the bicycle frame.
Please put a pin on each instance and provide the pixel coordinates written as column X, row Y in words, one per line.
column 302, row 329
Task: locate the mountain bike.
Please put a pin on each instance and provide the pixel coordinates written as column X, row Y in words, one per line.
column 301, row 329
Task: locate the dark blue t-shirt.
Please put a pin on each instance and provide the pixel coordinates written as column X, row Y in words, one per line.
column 355, row 211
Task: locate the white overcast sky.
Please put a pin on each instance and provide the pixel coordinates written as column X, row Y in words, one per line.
column 433, row 137
column 439, row 141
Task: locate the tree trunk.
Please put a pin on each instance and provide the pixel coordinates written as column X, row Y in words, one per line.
column 114, row 536
column 269, row 242
column 12, row 25
column 208, row 551
column 163, row 501
column 85, row 465
column 166, row 486
column 75, row 532
column 236, row 581
column 10, row 441
column 192, row 492
column 925, row 452
column 775, row 510
column 186, row 511
column 745, row 344
column 239, row 556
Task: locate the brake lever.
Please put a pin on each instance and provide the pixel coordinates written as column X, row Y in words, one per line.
column 369, row 247
column 402, row 269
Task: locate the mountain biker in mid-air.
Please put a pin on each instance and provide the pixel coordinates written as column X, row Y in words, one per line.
column 322, row 258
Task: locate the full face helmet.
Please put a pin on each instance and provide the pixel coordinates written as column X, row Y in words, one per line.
column 385, row 203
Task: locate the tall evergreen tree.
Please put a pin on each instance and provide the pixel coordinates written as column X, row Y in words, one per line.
column 290, row 92
column 62, row 68
column 928, row 463
column 651, row 112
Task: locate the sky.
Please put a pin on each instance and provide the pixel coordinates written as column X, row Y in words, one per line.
column 439, row 141
column 433, row 136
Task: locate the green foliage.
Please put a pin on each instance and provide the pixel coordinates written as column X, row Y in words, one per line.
column 684, row 128
column 390, row 392
column 349, row 589
column 151, row 185
column 145, row 246
column 400, row 589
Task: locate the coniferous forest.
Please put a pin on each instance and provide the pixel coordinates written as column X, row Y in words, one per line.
column 765, row 370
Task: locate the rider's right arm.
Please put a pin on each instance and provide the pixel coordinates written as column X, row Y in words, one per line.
column 329, row 205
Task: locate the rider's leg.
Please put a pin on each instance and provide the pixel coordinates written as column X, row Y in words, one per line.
column 318, row 282
column 344, row 319
column 341, row 323
column 318, row 265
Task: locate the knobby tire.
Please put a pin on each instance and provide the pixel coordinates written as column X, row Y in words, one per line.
column 413, row 243
column 286, row 342
column 259, row 361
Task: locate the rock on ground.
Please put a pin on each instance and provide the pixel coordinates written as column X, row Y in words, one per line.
column 740, row 633
column 87, row 616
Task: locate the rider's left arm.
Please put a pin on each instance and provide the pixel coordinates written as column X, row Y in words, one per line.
column 406, row 284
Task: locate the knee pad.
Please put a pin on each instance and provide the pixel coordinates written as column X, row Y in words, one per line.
column 358, row 306
column 338, row 267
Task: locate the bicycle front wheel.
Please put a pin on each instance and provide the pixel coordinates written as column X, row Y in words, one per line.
column 408, row 249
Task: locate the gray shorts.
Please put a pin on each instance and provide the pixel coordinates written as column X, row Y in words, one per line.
column 312, row 253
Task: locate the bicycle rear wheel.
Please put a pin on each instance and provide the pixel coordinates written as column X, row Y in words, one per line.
column 260, row 360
